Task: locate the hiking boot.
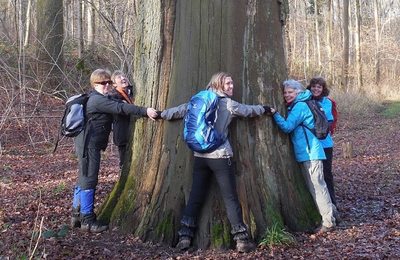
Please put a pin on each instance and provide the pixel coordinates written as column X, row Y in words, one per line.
column 244, row 246
column 184, row 243
column 93, row 227
column 90, row 224
column 323, row 229
column 75, row 218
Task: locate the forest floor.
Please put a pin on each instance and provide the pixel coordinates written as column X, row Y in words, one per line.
column 36, row 189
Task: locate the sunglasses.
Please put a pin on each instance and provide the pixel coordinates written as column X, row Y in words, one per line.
column 104, row 82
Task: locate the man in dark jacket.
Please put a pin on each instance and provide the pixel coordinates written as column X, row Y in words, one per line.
column 90, row 142
column 122, row 92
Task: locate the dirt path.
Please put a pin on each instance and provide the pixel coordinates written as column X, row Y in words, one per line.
column 36, row 188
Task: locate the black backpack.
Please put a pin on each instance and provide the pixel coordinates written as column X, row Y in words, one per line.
column 74, row 119
column 321, row 124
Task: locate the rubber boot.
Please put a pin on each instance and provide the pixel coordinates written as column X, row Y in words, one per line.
column 242, row 239
column 186, row 233
column 88, row 218
column 75, row 218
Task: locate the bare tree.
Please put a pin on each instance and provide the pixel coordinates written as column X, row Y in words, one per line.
column 28, row 22
column 79, row 24
column 346, row 46
column 329, row 44
column 377, row 42
column 91, row 28
column 49, row 45
column 357, row 44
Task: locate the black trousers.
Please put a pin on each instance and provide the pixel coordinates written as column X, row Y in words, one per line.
column 222, row 169
column 328, row 176
column 122, row 154
column 89, row 166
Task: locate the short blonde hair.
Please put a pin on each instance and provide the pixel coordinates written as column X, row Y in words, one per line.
column 218, row 80
column 99, row 75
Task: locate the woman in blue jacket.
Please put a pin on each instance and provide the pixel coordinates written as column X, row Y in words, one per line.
column 307, row 148
column 320, row 92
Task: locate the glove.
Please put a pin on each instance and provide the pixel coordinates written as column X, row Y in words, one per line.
column 267, row 110
column 158, row 115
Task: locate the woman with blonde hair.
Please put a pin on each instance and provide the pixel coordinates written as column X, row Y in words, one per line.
column 218, row 164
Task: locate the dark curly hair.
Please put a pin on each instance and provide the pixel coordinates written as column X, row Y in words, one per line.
column 322, row 82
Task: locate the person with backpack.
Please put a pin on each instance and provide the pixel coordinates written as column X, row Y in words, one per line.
column 307, row 148
column 122, row 92
column 89, row 144
column 216, row 161
column 320, row 92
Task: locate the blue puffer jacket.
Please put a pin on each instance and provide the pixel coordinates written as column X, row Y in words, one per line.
column 326, row 104
column 299, row 113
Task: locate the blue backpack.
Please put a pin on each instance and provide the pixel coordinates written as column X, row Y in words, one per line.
column 199, row 132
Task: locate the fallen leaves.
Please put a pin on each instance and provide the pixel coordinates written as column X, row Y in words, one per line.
column 36, row 186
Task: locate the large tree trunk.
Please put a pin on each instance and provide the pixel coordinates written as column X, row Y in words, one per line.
column 178, row 48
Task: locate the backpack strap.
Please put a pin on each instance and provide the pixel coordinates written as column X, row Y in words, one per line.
column 335, row 115
column 59, row 132
column 303, row 126
column 305, row 135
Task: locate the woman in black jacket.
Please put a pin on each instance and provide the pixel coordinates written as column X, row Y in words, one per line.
column 89, row 143
column 122, row 92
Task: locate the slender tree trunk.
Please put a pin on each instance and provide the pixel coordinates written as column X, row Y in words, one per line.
column 346, row 45
column 91, row 28
column 307, row 47
column 50, row 38
column 21, row 60
column 27, row 23
column 317, row 35
column 79, row 25
column 377, row 47
column 179, row 45
column 329, row 21
column 358, row 46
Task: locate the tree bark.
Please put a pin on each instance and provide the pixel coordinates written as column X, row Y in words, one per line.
column 79, row 25
column 317, row 34
column 329, row 45
column 346, row 45
column 377, row 48
column 27, row 23
column 358, row 46
column 91, row 28
column 178, row 47
column 50, row 37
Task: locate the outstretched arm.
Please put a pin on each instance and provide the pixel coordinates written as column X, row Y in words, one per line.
column 174, row 112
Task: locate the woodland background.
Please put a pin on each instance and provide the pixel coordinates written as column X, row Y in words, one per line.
column 354, row 44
